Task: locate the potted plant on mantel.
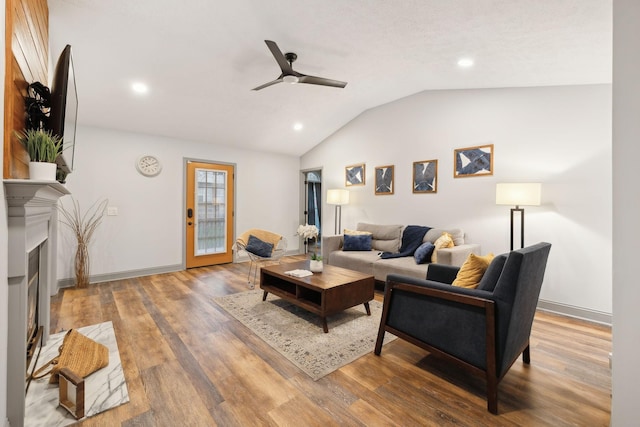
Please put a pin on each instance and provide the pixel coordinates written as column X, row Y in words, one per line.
column 43, row 149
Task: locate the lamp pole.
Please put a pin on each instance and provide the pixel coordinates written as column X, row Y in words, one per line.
column 518, row 194
column 521, row 210
column 337, row 197
column 338, row 220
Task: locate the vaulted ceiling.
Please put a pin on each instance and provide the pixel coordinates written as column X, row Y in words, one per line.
column 201, row 58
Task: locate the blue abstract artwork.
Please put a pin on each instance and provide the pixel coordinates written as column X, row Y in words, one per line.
column 473, row 161
column 384, row 180
column 425, row 176
column 354, row 175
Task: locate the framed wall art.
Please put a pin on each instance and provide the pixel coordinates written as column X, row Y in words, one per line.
column 425, row 176
column 354, row 175
column 473, row 161
column 384, row 180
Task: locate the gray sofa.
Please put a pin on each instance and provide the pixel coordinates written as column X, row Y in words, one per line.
column 388, row 238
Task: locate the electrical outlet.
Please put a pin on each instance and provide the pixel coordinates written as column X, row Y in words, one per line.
column 112, row 211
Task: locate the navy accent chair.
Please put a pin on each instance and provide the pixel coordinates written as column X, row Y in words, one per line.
column 482, row 330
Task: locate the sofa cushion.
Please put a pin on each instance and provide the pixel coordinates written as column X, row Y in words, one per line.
column 360, row 242
column 355, row 232
column 385, row 238
column 422, row 255
column 491, row 276
column 472, row 271
column 352, row 260
column 444, row 241
column 405, row 266
column 259, row 247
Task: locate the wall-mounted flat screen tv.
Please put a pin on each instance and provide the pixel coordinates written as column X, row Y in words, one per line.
column 64, row 108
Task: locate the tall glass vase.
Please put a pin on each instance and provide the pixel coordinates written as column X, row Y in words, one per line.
column 82, row 265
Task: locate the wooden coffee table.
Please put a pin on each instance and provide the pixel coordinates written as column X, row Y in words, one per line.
column 332, row 291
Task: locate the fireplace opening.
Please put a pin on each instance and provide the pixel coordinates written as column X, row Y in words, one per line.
column 34, row 329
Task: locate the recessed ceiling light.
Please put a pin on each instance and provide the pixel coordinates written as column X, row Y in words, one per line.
column 298, row 126
column 465, row 62
column 140, row 88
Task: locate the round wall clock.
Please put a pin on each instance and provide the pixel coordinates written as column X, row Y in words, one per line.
column 148, row 165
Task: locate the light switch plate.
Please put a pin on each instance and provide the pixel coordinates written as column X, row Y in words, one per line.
column 112, row 211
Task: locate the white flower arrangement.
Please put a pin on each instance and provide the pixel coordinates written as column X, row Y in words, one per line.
column 308, row 231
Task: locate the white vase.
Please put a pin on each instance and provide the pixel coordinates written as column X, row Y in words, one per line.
column 42, row 171
column 315, row 266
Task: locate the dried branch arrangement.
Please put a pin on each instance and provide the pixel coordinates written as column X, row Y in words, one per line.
column 83, row 226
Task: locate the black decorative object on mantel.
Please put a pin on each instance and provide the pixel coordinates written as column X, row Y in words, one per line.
column 38, row 106
column 64, row 109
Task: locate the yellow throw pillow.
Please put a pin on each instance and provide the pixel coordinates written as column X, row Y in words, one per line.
column 472, row 270
column 444, row 241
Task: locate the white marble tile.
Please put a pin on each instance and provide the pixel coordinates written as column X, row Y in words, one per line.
column 104, row 389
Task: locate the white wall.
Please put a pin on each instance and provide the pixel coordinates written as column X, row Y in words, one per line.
column 626, row 211
column 560, row 136
column 148, row 232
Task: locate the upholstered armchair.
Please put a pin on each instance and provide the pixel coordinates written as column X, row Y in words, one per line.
column 482, row 330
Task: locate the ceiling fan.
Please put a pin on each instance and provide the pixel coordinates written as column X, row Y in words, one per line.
column 289, row 75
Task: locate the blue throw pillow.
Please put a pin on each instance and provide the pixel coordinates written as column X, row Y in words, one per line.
column 259, row 247
column 422, row 255
column 357, row 242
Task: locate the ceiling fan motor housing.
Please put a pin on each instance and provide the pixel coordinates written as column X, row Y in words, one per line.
column 290, row 57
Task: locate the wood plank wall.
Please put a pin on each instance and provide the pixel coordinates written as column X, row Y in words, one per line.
column 27, row 61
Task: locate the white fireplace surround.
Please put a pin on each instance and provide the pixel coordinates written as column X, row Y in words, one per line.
column 32, row 222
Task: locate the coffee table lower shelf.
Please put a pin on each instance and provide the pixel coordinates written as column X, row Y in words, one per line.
column 332, row 291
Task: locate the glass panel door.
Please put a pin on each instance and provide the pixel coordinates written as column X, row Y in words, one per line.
column 209, row 214
column 211, row 218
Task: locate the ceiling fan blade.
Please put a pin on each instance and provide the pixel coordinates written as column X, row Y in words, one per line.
column 268, row 84
column 280, row 59
column 321, row 81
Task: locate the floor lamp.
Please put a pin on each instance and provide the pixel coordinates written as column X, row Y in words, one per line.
column 518, row 194
column 338, row 197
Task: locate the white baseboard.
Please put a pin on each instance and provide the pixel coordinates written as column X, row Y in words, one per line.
column 576, row 312
column 99, row 278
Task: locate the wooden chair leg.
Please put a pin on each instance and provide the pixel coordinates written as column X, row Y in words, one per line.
column 526, row 356
column 383, row 320
column 492, row 394
column 379, row 341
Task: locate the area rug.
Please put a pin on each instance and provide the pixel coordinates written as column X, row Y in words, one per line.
column 104, row 389
column 297, row 334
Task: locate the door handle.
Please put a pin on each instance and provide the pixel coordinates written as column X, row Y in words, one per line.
column 189, row 215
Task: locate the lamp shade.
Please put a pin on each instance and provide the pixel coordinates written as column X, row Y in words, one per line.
column 337, row 197
column 518, row 194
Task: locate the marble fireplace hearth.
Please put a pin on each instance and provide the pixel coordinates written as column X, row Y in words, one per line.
column 32, row 223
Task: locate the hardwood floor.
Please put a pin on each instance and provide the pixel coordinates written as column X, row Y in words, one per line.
column 188, row 363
